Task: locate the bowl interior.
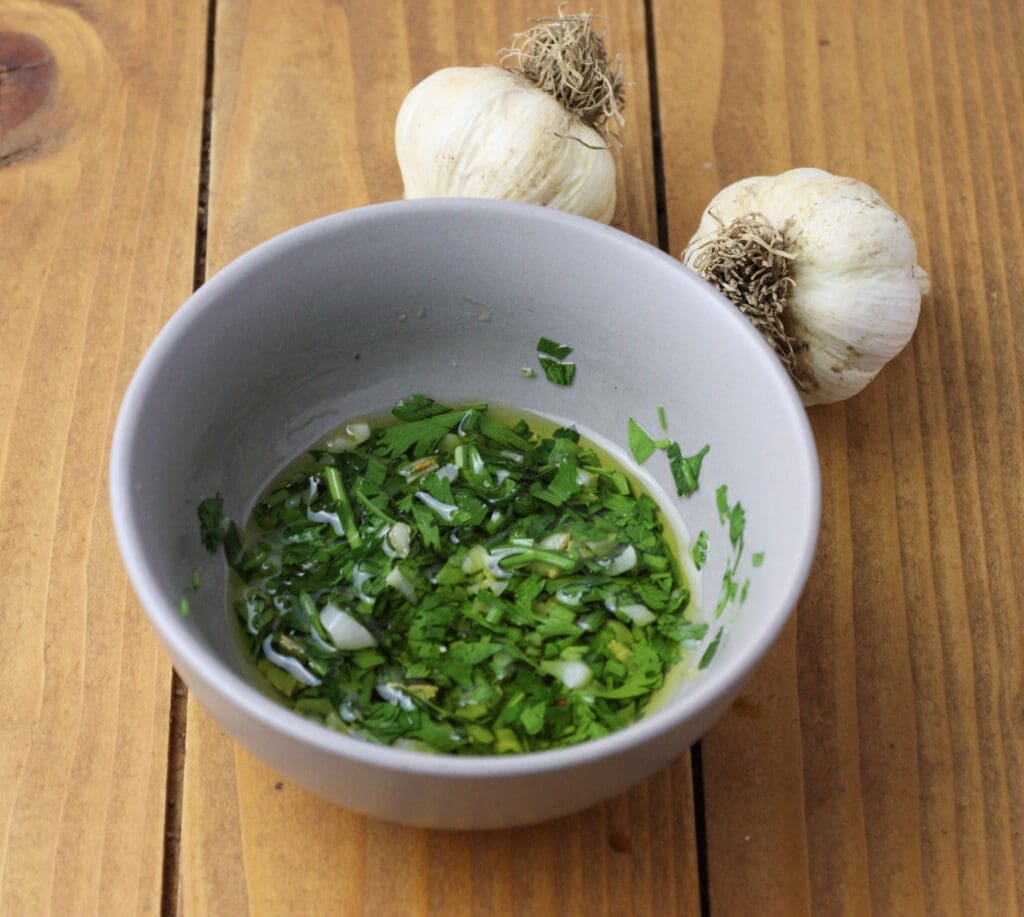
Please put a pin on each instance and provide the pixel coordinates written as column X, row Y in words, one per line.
column 345, row 316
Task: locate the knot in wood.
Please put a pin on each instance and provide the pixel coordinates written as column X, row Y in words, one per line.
column 28, row 77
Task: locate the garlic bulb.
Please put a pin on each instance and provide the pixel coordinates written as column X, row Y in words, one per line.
column 822, row 266
column 534, row 133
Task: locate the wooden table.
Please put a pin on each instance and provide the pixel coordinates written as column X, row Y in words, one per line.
column 875, row 762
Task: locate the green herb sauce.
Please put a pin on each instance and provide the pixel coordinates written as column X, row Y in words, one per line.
column 461, row 582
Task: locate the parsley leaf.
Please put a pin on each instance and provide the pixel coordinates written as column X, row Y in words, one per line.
column 722, row 502
column 533, row 718
column 558, row 373
column 417, row 407
column 685, row 470
column 640, row 443
column 426, row 524
column 730, row 589
column 735, row 515
column 700, row 550
column 709, row 653
column 211, row 522
column 418, row 437
column 215, row 530
column 499, row 433
column 553, row 349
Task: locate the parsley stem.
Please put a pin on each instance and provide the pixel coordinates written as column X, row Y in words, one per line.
column 525, row 556
column 372, row 508
column 337, row 490
column 309, row 607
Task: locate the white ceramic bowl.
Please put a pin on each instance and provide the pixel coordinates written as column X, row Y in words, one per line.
column 346, row 315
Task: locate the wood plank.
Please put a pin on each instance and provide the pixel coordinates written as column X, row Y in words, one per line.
column 881, row 742
column 100, row 120
column 304, row 106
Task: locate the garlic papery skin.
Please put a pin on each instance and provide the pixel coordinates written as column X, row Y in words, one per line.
column 488, row 132
column 536, row 131
column 846, row 288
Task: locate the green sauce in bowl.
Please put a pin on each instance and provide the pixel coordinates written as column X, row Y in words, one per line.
column 464, row 581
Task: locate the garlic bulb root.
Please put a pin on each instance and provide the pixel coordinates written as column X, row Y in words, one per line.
column 823, row 266
column 566, row 58
column 535, row 132
column 748, row 261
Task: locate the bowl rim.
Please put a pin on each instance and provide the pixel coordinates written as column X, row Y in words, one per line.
column 713, row 685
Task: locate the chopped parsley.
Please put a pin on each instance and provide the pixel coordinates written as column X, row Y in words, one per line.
column 700, row 550
column 685, row 470
column 711, row 650
column 735, row 518
column 558, row 373
column 215, row 530
column 641, row 444
column 418, row 407
column 552, row 360
column 462, row 585
column 211, row 522
column 419, row 436
column 553, row 349
column 730, row 589
column 734, row 515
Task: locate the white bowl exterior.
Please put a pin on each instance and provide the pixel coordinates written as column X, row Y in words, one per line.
column 348, row 314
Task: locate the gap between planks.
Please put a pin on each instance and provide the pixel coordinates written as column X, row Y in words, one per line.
column 661, row 204
column 178, row 719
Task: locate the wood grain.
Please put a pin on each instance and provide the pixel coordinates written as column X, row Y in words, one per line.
column 875, row 762
column 100, row 115
column 303, row 111
column 882, row 743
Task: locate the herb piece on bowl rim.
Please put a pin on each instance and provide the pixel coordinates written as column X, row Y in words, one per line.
column 552, row 356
